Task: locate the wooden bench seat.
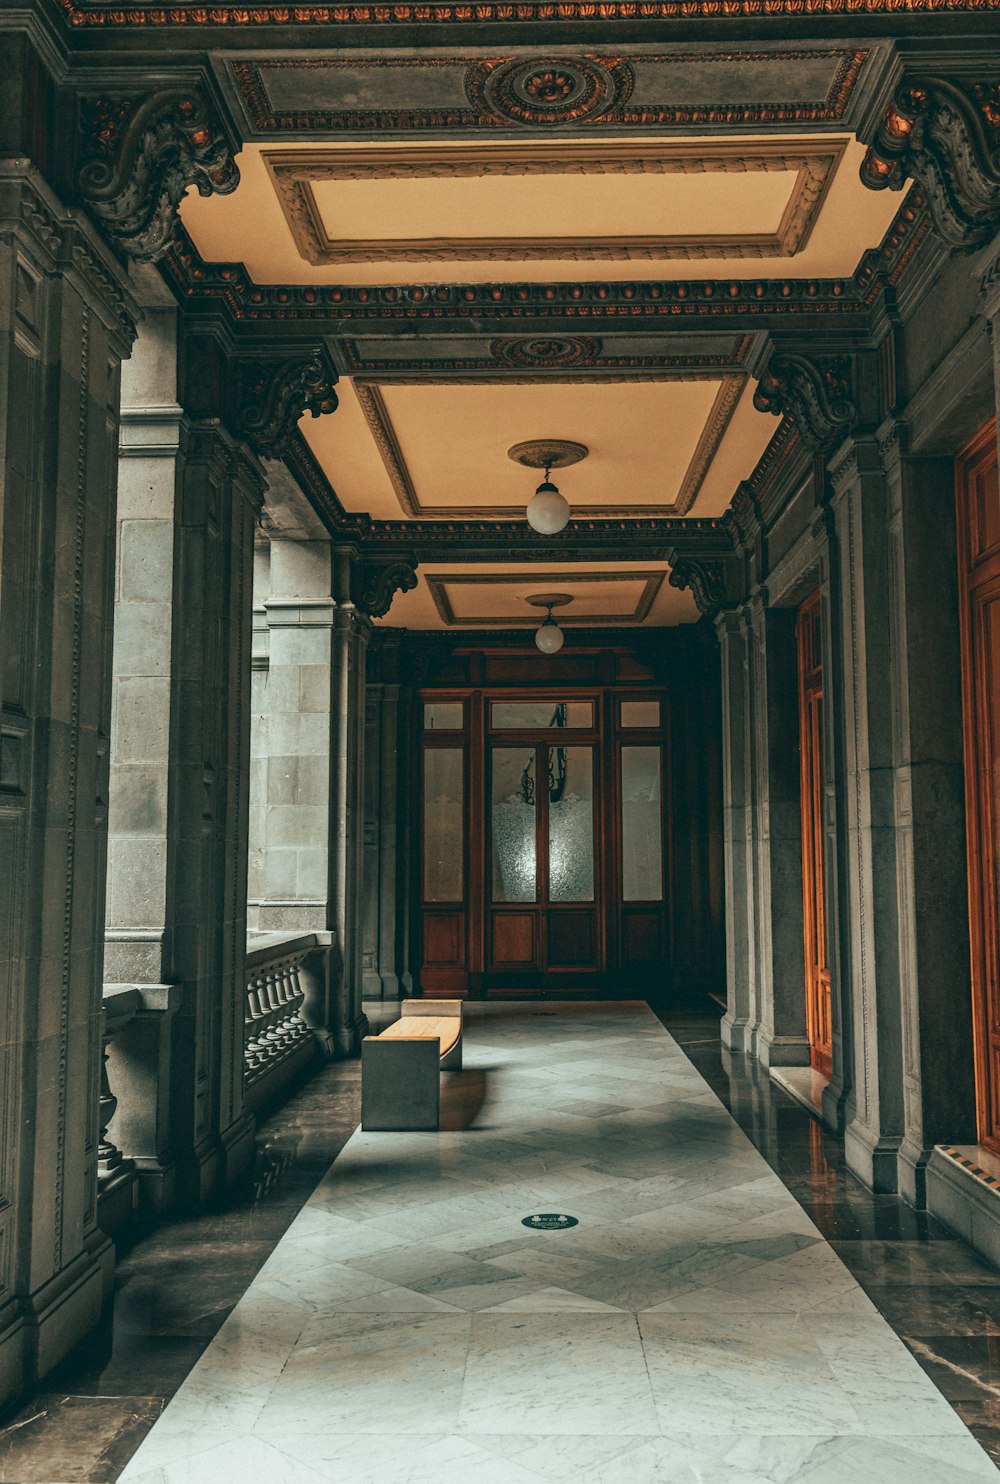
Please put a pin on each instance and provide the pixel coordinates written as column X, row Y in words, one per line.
column 400, row 1082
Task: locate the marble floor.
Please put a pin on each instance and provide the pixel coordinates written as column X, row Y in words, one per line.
column 695, row 1325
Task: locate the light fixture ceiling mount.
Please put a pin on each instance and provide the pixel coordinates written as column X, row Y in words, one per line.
column 547, row 511
column 549, row 638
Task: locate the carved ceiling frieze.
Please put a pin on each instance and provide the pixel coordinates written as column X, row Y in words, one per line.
column 639, row 89
column 522, row 357
column 295, row 174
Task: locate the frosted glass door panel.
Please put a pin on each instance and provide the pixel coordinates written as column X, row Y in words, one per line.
column 642, row 825
column 443, row 818
column 571, row 824
column 513, row 820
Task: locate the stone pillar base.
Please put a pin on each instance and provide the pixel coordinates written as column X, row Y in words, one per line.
column 912, row 1173
column 782, row 1051
column 738, row 1035
column 873, row 1159
column 347, row 1038
column 35, row 1337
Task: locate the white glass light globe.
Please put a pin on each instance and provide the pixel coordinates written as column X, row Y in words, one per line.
column 549, row 637
column 547, row 511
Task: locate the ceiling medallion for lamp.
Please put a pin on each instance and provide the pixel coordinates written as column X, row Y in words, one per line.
column 547, row 510
column 549, row 638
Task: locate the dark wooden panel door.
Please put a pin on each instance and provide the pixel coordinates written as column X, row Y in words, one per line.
column 809, row 633
column 978, row 505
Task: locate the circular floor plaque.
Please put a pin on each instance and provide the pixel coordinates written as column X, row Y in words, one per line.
column 549, row 1222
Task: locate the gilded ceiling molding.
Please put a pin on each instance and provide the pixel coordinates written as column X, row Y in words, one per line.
column 439, row 582
column 143, row 154
column 293, row 175
column 380, row 425
column 947, row 138
column 706, row 579
column 273, row 394
column 403, row 12
column 816, row 393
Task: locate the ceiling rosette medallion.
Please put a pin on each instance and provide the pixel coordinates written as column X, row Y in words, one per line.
column 545, row 352
column 549, row 91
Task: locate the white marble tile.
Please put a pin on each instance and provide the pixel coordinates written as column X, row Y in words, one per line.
column 372, row 1368
column 693, row 1329
column 559, row 1373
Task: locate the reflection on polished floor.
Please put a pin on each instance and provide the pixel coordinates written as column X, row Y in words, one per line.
column 695, row 1325
column 177, row 1286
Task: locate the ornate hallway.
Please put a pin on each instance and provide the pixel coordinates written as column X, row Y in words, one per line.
column 695, row 1325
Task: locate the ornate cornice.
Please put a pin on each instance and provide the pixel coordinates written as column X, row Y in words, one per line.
column 142, row 155
column 273, row 395
column 816, row 393
column 451, row 12
column 947, row 138
column 377, row 583
column 706, row 579
column 746, row 302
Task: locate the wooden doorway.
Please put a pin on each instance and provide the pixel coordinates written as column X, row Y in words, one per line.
column 544, row 836
column 809, row 635
column 978, row 510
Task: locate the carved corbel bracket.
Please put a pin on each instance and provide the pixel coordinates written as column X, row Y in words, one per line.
column 273, row 394
column 377, row 583
column 816, row 394
column 143, row 155
column 947, row 138
column 706, row 579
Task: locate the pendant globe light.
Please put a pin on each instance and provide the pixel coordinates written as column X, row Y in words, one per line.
column 549, row 637
column 547, row 511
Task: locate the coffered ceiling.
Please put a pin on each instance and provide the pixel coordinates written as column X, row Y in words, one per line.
column 375, row 188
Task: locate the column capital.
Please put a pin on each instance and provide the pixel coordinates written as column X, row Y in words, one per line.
column 142, row 153
column 377, row 583
column 856, row 460
column 943, row 134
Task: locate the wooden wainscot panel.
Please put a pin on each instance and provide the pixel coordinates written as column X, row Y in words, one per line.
column 443, row 937
column 572, row 938
column 514, row 938
column 643, row 938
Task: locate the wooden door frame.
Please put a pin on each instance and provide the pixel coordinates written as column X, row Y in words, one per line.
column 982, row 864
column 814, row 917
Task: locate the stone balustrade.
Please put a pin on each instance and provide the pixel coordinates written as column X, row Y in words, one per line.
column 285, row 976
column 117, row 1191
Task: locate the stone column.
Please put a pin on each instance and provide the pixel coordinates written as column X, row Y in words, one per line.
column 351, row 629
column 65, row 324
column 929, row 808
column 781, row 1037
column 384, row 822
column 293, row 725
column 740, row 1022
column 869, row 947
column 177, row 870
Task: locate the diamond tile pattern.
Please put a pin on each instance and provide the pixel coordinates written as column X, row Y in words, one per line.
column 694, row 1326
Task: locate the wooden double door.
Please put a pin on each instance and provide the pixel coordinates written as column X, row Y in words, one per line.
column 544, row 853
column 978, row 509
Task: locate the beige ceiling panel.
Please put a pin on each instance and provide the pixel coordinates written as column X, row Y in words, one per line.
column 486, row 595
column 748, row 434
column 850, row 220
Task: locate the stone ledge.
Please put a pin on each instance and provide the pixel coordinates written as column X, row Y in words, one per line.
column 804, row 1084
column 963, row 1191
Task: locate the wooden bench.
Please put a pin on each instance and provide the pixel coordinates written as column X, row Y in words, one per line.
column 400, row 1085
